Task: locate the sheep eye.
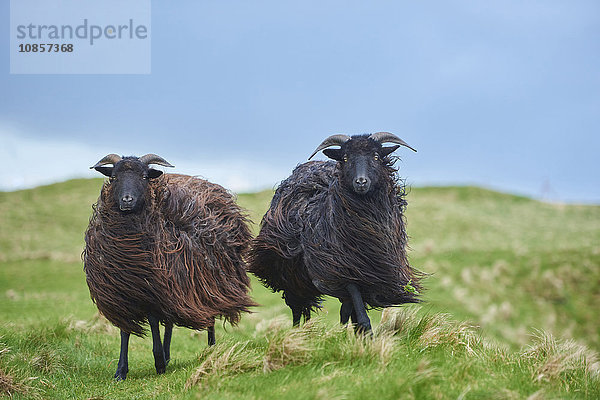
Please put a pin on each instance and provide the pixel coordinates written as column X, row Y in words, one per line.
column 345, row 158
column 376, row 157
column 145, row 177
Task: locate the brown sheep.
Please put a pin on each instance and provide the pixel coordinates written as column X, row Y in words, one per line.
column 164, row 249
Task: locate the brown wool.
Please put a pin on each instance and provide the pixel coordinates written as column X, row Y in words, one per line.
column 179, row 258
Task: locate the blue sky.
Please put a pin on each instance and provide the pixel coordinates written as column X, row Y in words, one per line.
column 503, row 94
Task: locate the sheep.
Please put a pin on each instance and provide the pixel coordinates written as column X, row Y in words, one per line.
column 164, row 249
column 336, row 228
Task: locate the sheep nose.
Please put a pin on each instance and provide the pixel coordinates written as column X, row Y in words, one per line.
column 127, row 199
column 362, row 184
column 361, row 181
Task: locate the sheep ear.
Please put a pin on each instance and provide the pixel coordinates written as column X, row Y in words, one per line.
column 106, row 171
column 334, row 154
column 154, row 173
column 386, row 151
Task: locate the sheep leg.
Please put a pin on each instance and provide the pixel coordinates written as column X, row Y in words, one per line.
column 346, row 310
column 167, row 342
column 363, row 323
column 296, row 315
column 157, row 347
column 123, row 365
column 211, row 335
column 307, row 317
column 295, row 304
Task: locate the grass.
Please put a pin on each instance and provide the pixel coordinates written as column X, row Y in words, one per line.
column 511, row 312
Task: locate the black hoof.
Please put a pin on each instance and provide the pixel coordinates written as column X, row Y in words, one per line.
column 120, row 375
column 160, row 363
column 363, row 329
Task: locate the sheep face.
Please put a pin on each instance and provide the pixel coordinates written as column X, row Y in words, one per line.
column 129, row 181
column 361, row 162
column 129, row 178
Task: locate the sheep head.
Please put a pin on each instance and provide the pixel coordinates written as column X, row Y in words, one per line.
column 129, row 178
column 361, row 158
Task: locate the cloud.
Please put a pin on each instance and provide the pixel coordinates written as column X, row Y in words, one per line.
column 34, row 161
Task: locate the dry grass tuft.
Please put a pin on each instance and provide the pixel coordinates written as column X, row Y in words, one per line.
column 98, row 324
column 398, row 320
column 47, row 361
column 555, row 358
column 382, row 346
column 439, row 330
column 226, row 359
column 287, row 346
column 431, row 330
column 12, row 295
column 9, row 386
column 378, row 347
column 269, row 325
column 425, row 371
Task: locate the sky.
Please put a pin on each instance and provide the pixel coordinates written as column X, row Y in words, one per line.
column 501, row 94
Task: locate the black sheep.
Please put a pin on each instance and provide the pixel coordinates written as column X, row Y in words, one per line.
column 164, row 248
column 337, row 229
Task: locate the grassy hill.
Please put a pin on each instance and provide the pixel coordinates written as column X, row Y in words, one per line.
column 511, row 311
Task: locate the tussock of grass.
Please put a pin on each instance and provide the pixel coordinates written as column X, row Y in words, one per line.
column 97, row 324
column 439, row 331
column 556, row 360
column 281, row 347
column 287, row 347
column 319, row 341
column 377, row 348
column 47, row 361
column 9, row 386
column 430, row 330
column 225, row 359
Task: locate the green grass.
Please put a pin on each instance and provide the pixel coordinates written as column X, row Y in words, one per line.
column 511, row 312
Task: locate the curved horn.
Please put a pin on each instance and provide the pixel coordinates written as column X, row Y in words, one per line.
column 333, row 140
column 154, row 159
column 386, row 137
column 109, row 159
